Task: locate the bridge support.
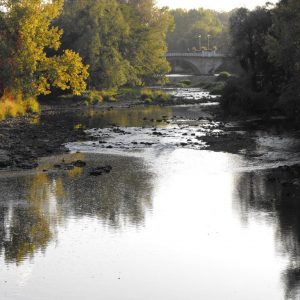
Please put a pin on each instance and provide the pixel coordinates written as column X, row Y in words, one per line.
column 206, row 63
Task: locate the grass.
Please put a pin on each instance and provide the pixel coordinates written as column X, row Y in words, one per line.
column 92, row 97
column 184, row 83
column 152, row 96
column 12, row 105
column 129, row 92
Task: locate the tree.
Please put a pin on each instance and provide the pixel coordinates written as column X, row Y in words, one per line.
column 248, row 31
column 189, row 24
column 95, row 29
column 26, row 36
column 283, row 47
column 283, row 40
column 146, row 45
column 123, row 42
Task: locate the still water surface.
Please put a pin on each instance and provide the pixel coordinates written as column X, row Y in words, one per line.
column 169, row 224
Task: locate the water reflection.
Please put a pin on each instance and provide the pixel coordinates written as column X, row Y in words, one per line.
column 273, row 196
column 167, row 221
column 32, row 207
column 98, row 118
column 24, row 227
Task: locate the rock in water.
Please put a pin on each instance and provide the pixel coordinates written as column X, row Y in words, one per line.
column 101, row 170
column 79, row 163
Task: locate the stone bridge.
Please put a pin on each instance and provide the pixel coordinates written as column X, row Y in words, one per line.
column 201, row 63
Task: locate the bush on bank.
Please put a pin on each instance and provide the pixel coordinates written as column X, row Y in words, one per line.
column 13, row 104
column 237, row 98
column 92, row 97
column 150, row 96
column 223, row 76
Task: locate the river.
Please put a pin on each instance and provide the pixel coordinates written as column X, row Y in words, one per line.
column 172, row 220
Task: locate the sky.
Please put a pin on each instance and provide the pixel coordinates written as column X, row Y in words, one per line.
column 220, row 5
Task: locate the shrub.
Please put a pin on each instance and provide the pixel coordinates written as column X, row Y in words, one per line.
column 161, row 96
column 187, row 82
column 31, row 105
column 96, row 97
column 183, row 83
column 92, row 97
column 109, row 95
column 150, row 96
column 224, row 76
column 12, row 105
column 238, row 98
column 217, row 88
column 146, row 94
column 289, row 100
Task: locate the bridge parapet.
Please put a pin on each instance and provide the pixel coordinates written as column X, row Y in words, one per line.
column 195, row 54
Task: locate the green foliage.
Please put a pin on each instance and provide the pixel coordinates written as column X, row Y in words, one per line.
column 150, row 96
column 189, row 24
column 187, row 82
column 129, row 92
column 282, row 42
column 267, row 42
column 124, row 43
column 289, row 100
column 181, row 85
column 248, row 30
column 92, row 97
column 238, row 98
column 214, row 87
column 109, row 95
column 27, row 35
column 184, row 83
column 223, row 76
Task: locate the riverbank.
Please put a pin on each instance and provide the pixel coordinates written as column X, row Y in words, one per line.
column 191, row 118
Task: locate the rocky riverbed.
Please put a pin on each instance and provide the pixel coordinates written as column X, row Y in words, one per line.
column 130, row 126
column 192, row 119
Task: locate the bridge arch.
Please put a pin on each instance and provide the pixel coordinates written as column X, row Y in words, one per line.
column 201, row 63
column 179, row 65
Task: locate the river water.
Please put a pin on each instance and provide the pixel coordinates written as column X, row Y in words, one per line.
column 171, row 221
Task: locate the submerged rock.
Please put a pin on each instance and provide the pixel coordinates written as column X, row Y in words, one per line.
column 79, row 163
column 101, row 170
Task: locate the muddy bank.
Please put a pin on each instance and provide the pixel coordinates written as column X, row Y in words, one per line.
column 23, row 140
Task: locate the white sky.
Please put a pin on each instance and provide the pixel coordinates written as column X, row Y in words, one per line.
column 220, row 5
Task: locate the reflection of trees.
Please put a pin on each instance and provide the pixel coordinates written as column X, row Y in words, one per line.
column 273, row 193
column 126, row 117
column 129, row 117
column 23, row 227
column 32, row 207
column 120, row 198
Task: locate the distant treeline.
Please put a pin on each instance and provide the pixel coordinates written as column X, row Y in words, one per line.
column 199, row 28
column 267, row 43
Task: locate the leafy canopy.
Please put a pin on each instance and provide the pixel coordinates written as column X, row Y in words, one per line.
column 124, row 43
column 27, row 37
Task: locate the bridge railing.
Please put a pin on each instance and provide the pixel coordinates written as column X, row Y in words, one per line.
column 194, row 54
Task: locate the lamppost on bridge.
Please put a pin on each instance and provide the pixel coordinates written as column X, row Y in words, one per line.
column 200, row 44
column 208, row 37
